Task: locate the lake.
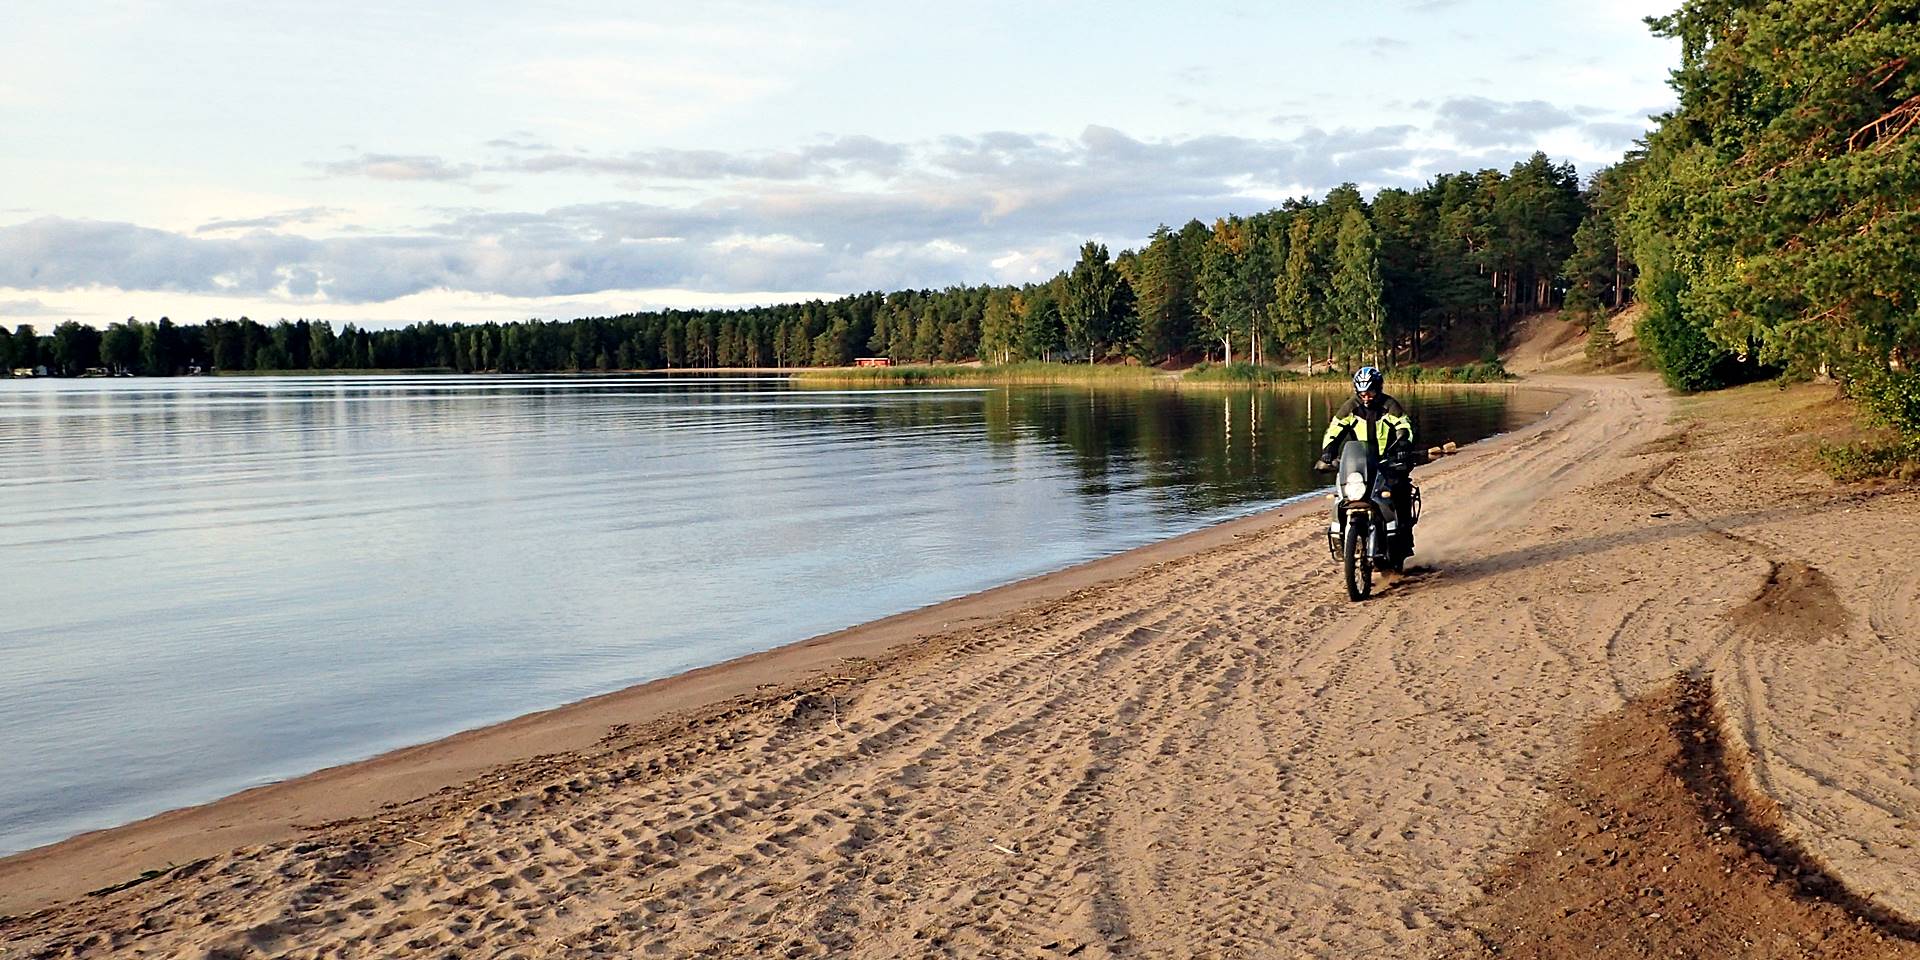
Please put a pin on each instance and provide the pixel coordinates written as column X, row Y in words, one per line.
column 214, row 583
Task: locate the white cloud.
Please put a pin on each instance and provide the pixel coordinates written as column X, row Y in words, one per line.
column 769, row 245
column 30, row 307
column 935, row 250
column 103, row 306
column 1482, row 122
column 734, row 148
column 1025, row 266
column 844, row 214
column 833, row 158
column 284, row 218
column 389, row 166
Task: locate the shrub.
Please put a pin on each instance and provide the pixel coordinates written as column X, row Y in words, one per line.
column 1678, row 347
column 1891, row 398
column 1486, row 371
column 1601, row 349
column 1888, row 398
column 1861, row 461
column 1479, row 371
column 1240, row 373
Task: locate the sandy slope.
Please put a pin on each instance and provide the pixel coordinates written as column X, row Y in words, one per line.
column 1213, row 756
column 1550, row 343
column 1544, row 342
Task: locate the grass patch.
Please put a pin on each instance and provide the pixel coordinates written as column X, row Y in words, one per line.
column 1854, row 462
column 1889, row 401
column 382, row 372
column 1012, row 373
column 1126, row 375
column 1248, row 373
column 1485, row 371
column 1811, row 423
column 1481, row 371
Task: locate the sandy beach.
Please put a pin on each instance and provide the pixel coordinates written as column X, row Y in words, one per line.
column 1649, row 689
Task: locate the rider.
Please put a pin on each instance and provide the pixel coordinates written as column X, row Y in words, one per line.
column 1372, row 416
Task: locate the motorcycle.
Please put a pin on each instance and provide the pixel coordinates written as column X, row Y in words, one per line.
column 1372, row 529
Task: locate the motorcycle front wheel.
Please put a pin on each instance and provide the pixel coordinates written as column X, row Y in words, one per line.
column 1356, row 560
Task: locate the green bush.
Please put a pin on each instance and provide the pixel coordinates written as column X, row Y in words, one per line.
column 1888, row 398
column 1601, row 349
column 1486, row 371
column 1240, row 373
column 1479, row 371
column 1863, row 461
column 1676, row 341
column 1029, row 372
column 1678, row 347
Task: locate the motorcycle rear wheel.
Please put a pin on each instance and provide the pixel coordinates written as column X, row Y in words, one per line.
column 1356, row 561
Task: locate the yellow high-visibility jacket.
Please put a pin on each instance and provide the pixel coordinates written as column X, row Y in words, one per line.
column 1384, row 423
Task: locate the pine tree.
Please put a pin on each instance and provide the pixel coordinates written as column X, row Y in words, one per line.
column 1357, row 289
column 1041, row 332
column 1097, row 310
column 1222, row 306
column 926, row 335
column 1297, row 306
column 1591, row 268
column 321, row 345
column 998, row 327
column 1164, row 298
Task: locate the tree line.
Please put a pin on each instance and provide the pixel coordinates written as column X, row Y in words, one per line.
column 1337, row 279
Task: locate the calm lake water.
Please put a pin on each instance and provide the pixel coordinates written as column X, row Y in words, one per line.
column 212, row 584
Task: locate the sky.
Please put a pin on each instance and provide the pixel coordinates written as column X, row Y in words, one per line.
column 383, row 163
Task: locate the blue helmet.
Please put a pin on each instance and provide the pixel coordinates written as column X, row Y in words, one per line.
column 1368, row 380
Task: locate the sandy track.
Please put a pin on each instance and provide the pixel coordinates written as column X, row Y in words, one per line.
column 1214, row 757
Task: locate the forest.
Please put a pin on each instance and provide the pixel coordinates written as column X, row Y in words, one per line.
column 1770, row 224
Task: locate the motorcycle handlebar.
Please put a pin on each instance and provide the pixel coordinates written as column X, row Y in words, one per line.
column 1403, row 460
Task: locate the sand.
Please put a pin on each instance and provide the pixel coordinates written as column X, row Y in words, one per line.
column 1624, row 645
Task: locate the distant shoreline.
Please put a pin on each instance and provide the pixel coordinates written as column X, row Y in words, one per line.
column 1238, row 375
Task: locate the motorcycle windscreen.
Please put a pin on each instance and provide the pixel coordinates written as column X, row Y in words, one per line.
column 1353, row 459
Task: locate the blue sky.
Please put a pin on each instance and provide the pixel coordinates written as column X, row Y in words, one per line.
column 399, row 161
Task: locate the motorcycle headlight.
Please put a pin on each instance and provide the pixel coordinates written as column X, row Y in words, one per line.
column 1356, row 486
